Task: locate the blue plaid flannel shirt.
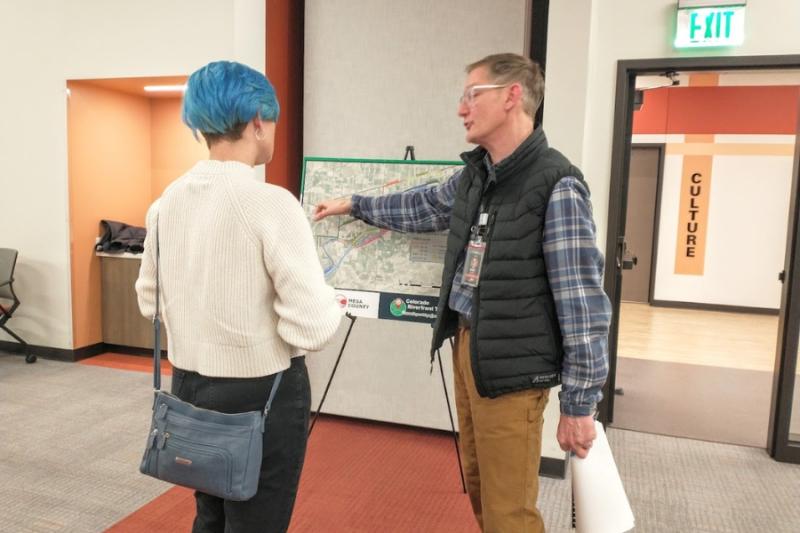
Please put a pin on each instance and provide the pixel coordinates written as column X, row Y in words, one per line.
column 574, row 269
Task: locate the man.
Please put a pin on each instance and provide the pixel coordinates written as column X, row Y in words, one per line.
column 528, row 310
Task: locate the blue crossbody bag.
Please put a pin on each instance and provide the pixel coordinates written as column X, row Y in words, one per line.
column 215, row 453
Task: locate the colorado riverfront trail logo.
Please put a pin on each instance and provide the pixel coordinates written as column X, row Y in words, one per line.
column 407, row 308
column 397, row 307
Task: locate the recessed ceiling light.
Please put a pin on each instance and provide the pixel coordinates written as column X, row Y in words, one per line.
column 164, row 88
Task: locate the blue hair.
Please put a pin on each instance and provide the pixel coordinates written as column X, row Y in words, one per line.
column 223, row 95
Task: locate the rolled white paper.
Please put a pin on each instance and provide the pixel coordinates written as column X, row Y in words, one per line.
column 601, row 505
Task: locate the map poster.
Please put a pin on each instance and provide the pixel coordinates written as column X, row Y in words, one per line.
column 378, row 273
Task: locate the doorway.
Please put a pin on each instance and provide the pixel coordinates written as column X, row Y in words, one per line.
column 621, row 251
column 644, row 185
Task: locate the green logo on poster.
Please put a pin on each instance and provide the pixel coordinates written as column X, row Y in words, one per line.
column 397, row 307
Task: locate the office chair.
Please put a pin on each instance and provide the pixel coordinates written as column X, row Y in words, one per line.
column 8, row 260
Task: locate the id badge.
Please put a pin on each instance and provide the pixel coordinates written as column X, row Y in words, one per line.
column 473, row 263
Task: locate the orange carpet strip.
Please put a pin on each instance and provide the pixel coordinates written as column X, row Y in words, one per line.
column 358, row 477
column 136, row 363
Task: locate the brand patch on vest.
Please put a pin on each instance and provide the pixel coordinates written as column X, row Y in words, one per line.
column 182, row 461
column 544, row 378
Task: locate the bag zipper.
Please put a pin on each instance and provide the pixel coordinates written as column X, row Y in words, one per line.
column 202, row 449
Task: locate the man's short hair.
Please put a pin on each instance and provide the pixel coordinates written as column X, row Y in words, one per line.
column 223, row 96
column 511, row 68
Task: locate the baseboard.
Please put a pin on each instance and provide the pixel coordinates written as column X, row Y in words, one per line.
column 132, row 350
column 89, row 351
column 62, row 354
column 716, row 307
column 552, row 467
column 56, row 354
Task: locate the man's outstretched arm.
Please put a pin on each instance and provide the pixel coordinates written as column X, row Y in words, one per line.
column 417, row 210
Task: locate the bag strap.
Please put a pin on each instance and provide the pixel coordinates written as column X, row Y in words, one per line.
column 157, row 321
column 272, row 392
column 157, row 339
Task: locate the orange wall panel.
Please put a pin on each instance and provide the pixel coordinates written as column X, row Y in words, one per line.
column 109, row 178
column 720, row 110
column 285, row 70
column 652, row 117
column 173, row 147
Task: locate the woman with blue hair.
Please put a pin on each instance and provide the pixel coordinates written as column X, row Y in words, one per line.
column 242, row 292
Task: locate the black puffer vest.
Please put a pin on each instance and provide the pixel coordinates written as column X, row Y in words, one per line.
column 515, row 336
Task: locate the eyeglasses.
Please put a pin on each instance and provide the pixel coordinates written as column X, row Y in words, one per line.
column 469, row 95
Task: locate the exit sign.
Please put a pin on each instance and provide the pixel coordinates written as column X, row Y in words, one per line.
column 710, row 26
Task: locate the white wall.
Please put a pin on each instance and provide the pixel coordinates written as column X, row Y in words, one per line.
column 630, row 29
column 573, row 67
column 47, row 42
column 746, row 239
column 382, row 74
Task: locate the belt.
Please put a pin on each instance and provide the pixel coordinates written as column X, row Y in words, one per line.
column 463, row 321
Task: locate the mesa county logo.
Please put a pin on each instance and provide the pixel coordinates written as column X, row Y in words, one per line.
column 341, row 299
column 397, row 307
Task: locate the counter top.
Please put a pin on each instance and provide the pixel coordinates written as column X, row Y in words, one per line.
column 125, row 255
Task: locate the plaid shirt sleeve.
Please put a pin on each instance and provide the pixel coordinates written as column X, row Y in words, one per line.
column 417, row 210
column 575, row 271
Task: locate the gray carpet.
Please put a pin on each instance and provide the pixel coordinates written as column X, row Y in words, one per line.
column 700, row 402
column 70, row 442
column 72, row 437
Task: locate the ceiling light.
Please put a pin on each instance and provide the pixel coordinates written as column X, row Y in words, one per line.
column 164, row 88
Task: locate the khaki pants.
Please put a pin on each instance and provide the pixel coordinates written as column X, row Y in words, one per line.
column 501, row 444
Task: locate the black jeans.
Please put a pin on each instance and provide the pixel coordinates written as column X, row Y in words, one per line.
column 284, row 446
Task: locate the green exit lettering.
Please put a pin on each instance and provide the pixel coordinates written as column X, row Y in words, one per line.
column 715, row 25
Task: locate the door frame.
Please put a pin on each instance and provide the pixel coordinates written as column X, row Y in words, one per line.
column 783, row 377
column 779, row 445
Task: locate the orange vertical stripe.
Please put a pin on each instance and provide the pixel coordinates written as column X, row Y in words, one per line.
column 693, row 215
column 704, row 79
column 699, row 138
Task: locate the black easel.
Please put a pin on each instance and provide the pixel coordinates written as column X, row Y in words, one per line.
column 450, row 412
column 409, row 154
column 335, row 366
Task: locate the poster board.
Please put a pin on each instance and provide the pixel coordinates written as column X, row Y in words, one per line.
column 377, row 273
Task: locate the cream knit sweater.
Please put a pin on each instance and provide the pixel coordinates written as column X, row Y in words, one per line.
column 242, row 290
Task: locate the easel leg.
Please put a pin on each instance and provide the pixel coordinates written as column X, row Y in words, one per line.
column 333, row 373
column 450, row 414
